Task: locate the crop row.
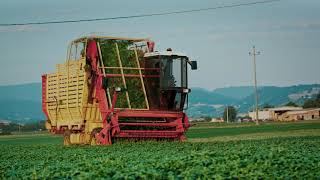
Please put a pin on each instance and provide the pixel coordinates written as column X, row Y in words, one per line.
column 273, row 158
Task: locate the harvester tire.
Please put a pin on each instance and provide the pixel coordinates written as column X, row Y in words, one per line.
column 182, row 138
column 93, row 140
column 66, row 138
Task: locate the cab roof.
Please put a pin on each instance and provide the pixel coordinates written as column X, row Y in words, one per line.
column 164, row 53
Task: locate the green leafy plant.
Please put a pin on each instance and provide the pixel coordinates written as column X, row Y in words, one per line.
column 278, row 158
column 127, row 57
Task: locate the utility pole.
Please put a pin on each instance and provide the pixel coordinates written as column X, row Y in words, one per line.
column 227, row 114
column 254, row 53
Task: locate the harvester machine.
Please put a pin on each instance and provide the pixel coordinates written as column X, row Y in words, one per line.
column 111, row 88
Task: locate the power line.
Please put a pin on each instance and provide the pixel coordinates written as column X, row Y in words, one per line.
column 139, row 16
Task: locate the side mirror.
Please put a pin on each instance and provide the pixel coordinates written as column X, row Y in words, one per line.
column 194, row 65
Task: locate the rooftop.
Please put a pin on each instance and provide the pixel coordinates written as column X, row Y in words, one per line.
column 303, row 111
column 285, row 108
column 164, row 53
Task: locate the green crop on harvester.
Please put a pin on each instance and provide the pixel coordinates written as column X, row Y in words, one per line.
column 127, row 57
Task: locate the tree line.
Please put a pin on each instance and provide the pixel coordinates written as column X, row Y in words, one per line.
column 312, row 103
column 6, row 129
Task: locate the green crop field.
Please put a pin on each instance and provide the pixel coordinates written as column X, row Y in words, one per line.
column 221, row 151
column 207, row 130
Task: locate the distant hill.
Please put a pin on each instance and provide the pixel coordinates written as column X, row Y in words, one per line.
column 203, row 102
column 199, row 95
column 22, row 103
column 212, row 103
column 21, row 111
column 29, row 92
column 277, row 96
column 235, row 92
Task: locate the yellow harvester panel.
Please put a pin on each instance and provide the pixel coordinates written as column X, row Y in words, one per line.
column 67, row 96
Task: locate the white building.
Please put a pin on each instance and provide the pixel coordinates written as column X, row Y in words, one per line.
column 217, row 120
column 263, row 115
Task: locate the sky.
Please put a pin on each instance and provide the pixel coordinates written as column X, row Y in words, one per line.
column 287, row 33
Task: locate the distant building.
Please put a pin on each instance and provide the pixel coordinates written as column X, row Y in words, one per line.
column 276, row 113
column 242, row 115
column 5, row 122
column 287, row 113
column 305, row 114
column 263, row 115
column 194, row 119
column 217, row 120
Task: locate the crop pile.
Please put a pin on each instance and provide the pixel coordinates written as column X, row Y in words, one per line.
column 128, row 59
column 283, row 158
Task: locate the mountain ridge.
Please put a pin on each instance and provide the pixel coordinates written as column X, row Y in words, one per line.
column 22, row 103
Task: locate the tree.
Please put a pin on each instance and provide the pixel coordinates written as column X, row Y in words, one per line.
column 232, row 114
column 207, row 118
column 309, row 104
column 15, row 127
column 290, row 103
column 312, row 103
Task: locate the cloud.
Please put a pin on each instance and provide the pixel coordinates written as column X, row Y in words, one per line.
column 22, row 28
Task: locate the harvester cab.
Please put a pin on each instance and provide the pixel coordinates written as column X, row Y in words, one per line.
column 171, row 89
column 112, row 88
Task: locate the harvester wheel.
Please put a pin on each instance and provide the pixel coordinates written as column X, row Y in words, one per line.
column 66, row 138
column 93, row 140
column 182, row 138
column 82, row 138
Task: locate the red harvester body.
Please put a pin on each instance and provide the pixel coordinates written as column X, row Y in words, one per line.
column 112, row 88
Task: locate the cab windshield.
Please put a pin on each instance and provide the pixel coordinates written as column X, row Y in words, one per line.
column 173, row 72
